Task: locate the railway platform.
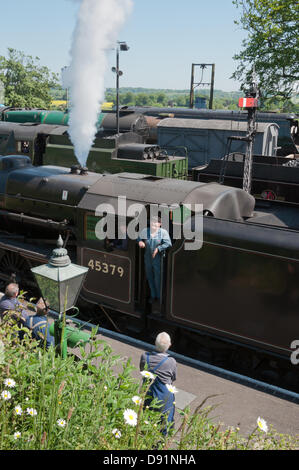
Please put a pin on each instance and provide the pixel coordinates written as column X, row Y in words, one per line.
column 236, row 404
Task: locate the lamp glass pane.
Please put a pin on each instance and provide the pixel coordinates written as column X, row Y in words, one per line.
column 49, row 290
column 69, row 291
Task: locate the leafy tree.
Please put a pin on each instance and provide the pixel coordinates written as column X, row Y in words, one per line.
column 26, row 82
column 142, row 99
column 127, row 98
column 111, row 97
column 271, row 46
column 161, row 98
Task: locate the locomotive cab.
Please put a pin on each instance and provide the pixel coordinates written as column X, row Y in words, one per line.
column 117, row 274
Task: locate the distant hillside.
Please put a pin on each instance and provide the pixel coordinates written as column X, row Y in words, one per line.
column 169, row 97
column 167, row 91
column 180, row 98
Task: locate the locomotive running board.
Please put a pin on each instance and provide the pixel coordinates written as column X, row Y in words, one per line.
column 25, row 249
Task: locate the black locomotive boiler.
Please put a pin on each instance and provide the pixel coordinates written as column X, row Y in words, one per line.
column 241, row 289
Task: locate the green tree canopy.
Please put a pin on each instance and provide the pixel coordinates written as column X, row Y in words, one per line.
column 271, row 47
column 26, row 82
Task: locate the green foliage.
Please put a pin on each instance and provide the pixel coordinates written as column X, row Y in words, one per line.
column 26, row 82
column 95, row 404
column 58, row 93
column 271, row 46
column 170, row 98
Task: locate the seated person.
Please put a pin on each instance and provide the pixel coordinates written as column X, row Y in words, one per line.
column 10, row 301
column 38, row 324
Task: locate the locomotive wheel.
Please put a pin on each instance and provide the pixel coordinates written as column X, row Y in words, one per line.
column 15, row 268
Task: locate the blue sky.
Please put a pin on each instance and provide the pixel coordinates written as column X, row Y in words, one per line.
column 165, row 37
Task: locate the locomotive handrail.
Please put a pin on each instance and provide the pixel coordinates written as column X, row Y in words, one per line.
column 37, row 221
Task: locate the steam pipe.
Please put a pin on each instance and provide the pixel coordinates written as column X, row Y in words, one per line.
column 37, row 221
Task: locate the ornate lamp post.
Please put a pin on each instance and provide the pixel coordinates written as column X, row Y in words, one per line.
column 60, row 282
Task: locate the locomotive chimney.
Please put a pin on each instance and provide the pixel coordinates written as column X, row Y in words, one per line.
column 75, row 169
column 84, row 170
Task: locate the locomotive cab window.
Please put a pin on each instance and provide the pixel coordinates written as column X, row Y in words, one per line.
column 119, row 240
column 23, row 146
column 109, row 261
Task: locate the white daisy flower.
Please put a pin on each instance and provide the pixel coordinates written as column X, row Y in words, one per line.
column 137, row 400
column 6, row 395
column 61, row 423
column 262, row 424
column 130, row 417
column 10, row 383
column 147, row 375
column 18, row 410
column 171, row 388
column 116, row 433
column 17, row 435
column 31, row 411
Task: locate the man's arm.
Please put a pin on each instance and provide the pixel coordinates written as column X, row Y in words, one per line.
column 142, row 362
column 174, row 372
column 165, row 241
column 7, row 305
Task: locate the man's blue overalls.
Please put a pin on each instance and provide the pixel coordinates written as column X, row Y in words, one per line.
column 160, row 240
column 159, row 391
column 40, row 329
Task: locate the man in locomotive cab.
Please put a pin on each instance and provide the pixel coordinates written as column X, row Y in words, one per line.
column 120, row 243
column 25, row 147
column 154, row 240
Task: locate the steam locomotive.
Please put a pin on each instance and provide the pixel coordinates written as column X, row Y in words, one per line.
column 239, row 291
column 151, row 116
column 44, row 137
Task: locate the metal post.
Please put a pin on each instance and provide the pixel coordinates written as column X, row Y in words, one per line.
column 191, row 100
column 252, row 128
column 247, row 178
column 117, row 89
column 212, row 87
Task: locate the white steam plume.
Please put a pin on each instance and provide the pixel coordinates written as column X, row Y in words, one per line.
column 96, row 32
